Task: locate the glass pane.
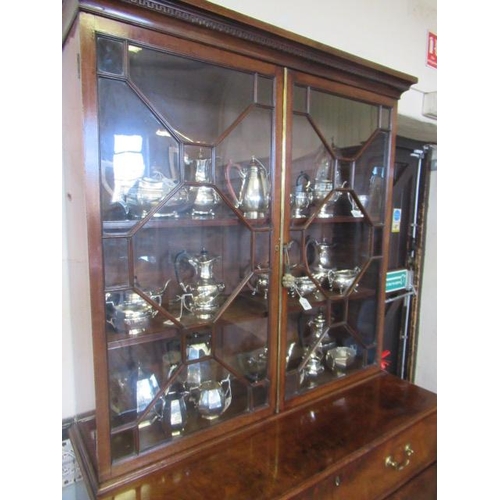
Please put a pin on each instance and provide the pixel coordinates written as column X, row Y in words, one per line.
column 300, row 99
column 186, row 174
column 116, row 262
column 265, row 92
column 343, row 122
column 110, row 55
column 370, row 177
column 198, row 100
column 315, row 173
column 332, row 259
column 137, row 165
column 246, row 172
column 385, row 118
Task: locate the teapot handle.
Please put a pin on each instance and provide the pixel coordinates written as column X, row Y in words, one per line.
column 228, row 394
column 307, row 179
column 182, row 255
column 267, row 174
column 310, row 241
column 229, row 166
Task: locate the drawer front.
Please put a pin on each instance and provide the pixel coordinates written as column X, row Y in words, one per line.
column 421, row 487
column 382, row 470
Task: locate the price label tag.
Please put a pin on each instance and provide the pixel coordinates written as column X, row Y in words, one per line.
column 305, row 303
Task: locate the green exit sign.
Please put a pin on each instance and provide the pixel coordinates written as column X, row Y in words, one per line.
column 396, row 280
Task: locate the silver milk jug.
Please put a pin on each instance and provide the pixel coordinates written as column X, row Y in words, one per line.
column 214, row 399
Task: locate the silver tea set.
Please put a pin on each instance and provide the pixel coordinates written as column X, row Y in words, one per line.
column 322, row 266
column 320, row 351
column 193, row 391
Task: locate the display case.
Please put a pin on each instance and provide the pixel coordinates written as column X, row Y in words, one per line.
column 236, row 180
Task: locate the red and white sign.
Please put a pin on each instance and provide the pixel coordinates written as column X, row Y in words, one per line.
column 432, row 51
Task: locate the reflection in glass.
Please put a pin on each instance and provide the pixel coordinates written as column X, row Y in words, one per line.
column 110, row 55
column 369, row 180
column 115, row 262
column 136, row 170
column 204, row 198
column 299, row 99
column 344, row 122
column 199, row 100
column 265, row 91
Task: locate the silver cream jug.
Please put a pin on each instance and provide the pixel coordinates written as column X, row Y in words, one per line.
column 214, row 399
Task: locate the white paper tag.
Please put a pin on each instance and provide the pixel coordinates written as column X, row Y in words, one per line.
column 305, row 303
column 356, row 213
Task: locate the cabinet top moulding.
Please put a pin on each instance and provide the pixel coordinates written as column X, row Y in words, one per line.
column 217, row 26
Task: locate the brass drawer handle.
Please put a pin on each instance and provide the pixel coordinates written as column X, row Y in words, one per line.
column 390, row 462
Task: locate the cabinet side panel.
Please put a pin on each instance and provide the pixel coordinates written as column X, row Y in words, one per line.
column 76, row 334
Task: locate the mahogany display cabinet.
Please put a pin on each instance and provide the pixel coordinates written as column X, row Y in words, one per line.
column 235, row 181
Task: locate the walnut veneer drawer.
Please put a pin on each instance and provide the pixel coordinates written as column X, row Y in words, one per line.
column 421, row 487
column 383, row 469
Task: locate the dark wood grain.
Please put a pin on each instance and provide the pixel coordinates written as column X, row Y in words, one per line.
column 285, row 456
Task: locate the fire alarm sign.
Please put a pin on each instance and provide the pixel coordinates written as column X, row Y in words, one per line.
column 432, row 54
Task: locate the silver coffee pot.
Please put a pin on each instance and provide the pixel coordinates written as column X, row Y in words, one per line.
column 205, row 198
column 326, row 179
column 302, row 196
column 315, row 345
column 254, row 196
column 204, row 291
column 321, row 260
column 174, row 411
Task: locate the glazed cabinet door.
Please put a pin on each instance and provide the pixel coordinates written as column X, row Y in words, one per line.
column 338, row 153
column 187, row 183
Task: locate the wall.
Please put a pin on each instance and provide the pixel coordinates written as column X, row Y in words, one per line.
column 426, row 362
column 390, row 32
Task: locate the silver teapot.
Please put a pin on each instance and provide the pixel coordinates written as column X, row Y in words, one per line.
column 204, row 290
column 213, row 399
column 259, row 283
column 149, row 191
column 127, row 311
column 254, row 196
column 326, row 179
